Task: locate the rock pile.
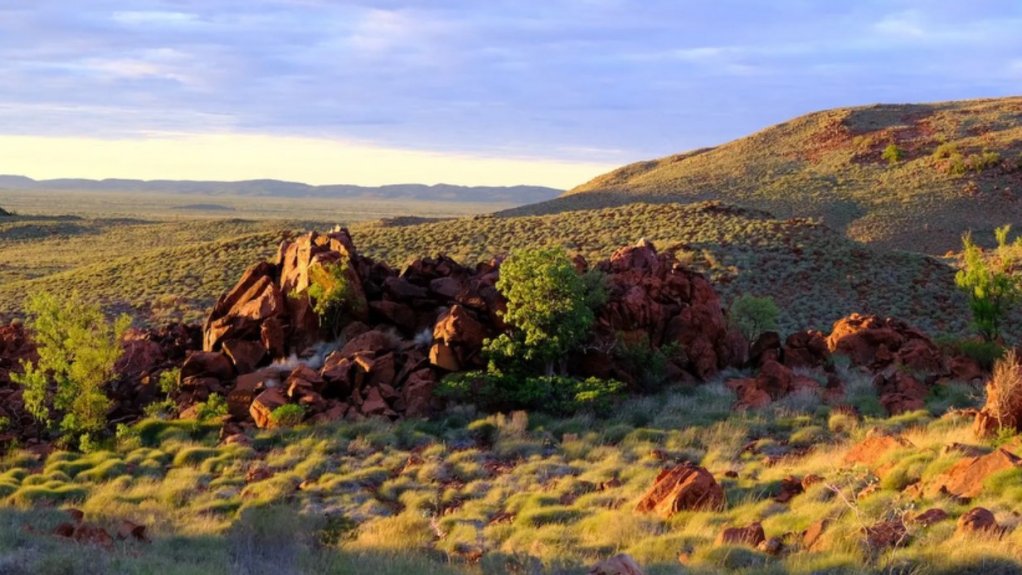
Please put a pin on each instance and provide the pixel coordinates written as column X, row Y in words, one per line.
column 402, row 332
column 682, row 487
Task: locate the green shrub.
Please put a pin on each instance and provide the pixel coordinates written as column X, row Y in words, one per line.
column 334, row 295
column 494, row 391
column 78, row 349
column 988, row 283
column 754, row 315
column 289, row 415
column 214, row 407
column 893, row 154
column 646, row 363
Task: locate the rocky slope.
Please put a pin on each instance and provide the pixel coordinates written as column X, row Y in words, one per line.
column 960, row 169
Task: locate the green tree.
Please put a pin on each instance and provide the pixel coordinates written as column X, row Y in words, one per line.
column 754, row 315
column 549, row 306
column 78, row 349
column 893, row 154
column 988, row 282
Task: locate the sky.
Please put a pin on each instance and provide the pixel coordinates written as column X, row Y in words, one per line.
column 492, row 92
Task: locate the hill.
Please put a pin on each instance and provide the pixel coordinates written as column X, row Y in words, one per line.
column 960, row 169
column 278, row 188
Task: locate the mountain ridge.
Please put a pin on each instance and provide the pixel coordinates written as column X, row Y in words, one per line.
column 519, row 194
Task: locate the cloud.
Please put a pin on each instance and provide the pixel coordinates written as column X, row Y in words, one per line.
column 610, row 81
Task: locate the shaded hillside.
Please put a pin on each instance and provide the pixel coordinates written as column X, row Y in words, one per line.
column 960, row 169
column 282, row 189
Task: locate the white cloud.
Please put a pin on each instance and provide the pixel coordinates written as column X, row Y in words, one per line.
column 147, row 17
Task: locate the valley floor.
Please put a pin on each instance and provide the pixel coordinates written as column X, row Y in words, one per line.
column 516, row 493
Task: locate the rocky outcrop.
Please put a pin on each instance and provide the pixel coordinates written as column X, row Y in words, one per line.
column 680, row 488
column 400, row 333
column 876, row 343
column 617, row 565
column 871, row 451
column 979, row 521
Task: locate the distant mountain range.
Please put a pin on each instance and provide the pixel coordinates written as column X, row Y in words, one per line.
column 278, row 188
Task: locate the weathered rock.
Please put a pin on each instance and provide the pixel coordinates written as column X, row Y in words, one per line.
column 806, row 349
column 877, row 343
column 683, row 487
column 130, row 530
column 871, row 450
column 245, row 354
column 930, row 517
column 813, row 535
column 979, row 521
column 617, row 565
column 264, row 405
column 886, row 534
column 790, row 487
column 900, row 392
column 965, row 479
column 751, row 535
column 207, row 364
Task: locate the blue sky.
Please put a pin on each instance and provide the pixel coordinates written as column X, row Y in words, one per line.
column 584, row 84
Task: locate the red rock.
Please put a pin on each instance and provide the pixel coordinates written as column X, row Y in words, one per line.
column 92, row 535
column 749, row 394
column 446, row 287
column 751, row 535
column 775, row 379
column 930, row 517
column 246, row 388
column 64, row 530
column 979, row 521
column 806, row 349
column 772, row 546
column 766, row 347
column 258, row 473
column 374, row 403
column 886, row 534
column 371, row 341
column 617, row 565
column 443, row 356
column 395, row 313
column 77, row 515
column 814, row 534
column 683, row 487
column 264, row 405
column 877, row 343
column 965, row 478
column 241, row 310
column 871, row 450
column 130, row 530
column 966, row 369
column 417, row 393
column 790, row 487
column 207, row 364
column 246, row 355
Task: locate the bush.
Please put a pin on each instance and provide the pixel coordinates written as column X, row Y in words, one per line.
column 289, row 415
column 214, row 407
column 893, row 154
column 1004, row 398
column 334, row 296
column 494, row 391
column 647, row 364
column 78, row 349
column 549, row 307
column 754, row 315
column 988, row 283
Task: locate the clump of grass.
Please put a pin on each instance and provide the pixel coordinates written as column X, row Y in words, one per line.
column 1004, row 395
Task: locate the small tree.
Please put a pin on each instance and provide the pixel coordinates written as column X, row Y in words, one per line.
column 549, row 306
column 988, row 283
column 754, row 315
column 893, row 154
column 78, row 349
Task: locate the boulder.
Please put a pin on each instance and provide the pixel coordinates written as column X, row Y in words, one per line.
column 813, row 535
column 876, row 343
column 979, row 521
column 790, row 487
column 873, row 448
column 886, row 534
column 207, row 364
column 264, row 404
column 806, row 349
column 900, row 392
column 930, row 517
column 751, row 535
column 246, row 355
column 683, row 487
column 965, row 478
column 617, row 565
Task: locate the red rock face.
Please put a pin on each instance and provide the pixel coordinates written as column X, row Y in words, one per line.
column 750, row 535
column 966, row 478
column 876, row 343
column 683, row 487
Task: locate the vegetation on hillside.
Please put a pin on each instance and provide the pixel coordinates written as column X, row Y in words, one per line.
column 911, row 177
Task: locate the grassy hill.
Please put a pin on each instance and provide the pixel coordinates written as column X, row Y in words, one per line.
column 960, row 169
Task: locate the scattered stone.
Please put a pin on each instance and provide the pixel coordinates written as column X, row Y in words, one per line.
column 965, row 479
column 682, row 487
column 617, row 565
column 751, row 535
column 979, row 521
column 886, row 534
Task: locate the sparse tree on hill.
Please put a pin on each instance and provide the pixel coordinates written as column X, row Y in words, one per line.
column 754, row 315
column 893, row 154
